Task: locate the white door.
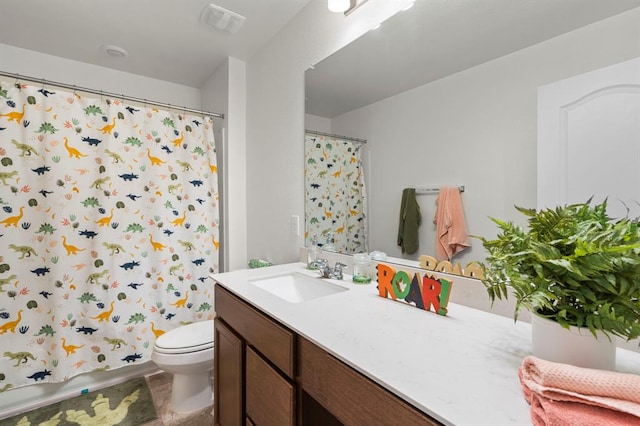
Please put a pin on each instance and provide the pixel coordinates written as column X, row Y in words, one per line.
column 589, row 139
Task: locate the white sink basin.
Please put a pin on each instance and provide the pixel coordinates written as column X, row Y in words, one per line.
column 296, row 287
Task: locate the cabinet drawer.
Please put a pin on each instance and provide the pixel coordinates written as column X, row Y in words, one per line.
column 271, row 339
column 351, row 397
column 270, row 398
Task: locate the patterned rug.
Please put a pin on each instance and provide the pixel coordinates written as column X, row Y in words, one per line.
column 126, row 404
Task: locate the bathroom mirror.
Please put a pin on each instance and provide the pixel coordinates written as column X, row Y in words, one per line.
column 446, row 94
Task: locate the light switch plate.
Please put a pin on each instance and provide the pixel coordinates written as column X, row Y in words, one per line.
column 294, row 221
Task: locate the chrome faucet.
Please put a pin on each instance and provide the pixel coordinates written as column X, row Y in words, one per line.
column 333, row 273
column 320, row 265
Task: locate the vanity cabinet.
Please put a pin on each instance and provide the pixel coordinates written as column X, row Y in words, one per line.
column 267, row 375
column 254, row 366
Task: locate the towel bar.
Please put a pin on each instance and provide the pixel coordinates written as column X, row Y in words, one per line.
column 433, row 189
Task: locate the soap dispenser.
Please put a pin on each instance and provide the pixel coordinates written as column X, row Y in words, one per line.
column 313, row 253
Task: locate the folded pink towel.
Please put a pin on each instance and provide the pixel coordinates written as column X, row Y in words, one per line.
column 559, row 391
column 547, row 412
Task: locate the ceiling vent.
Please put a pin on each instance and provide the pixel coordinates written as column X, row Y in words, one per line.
column 221, row 18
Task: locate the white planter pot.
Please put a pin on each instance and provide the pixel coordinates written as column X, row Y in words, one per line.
column 575, row 346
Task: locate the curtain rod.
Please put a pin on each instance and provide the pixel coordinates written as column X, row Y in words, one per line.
column 113, row 95
column 313, row 132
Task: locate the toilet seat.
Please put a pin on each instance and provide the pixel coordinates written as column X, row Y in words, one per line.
column 194, row 337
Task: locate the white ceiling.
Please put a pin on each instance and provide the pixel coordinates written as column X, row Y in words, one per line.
column 165, row 38
column 437, row 38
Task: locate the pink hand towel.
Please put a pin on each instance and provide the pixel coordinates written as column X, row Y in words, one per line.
column 451, row 228
column 561, row 391
column 547, row 412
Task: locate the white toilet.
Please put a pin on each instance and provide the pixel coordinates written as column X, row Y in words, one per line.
column 187, row 353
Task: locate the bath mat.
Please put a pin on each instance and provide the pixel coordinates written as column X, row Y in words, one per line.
column 126, row 404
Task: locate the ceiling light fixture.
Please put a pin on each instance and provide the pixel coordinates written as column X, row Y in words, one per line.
column 115, row 51
column 339, row 6
column 222, row 19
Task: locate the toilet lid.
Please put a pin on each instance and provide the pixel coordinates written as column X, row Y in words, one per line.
column 187, row 338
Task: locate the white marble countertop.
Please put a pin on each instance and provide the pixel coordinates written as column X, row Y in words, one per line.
column 460, row 369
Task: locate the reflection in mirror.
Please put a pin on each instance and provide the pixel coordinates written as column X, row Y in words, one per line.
column 446, row 95
column 336, row 207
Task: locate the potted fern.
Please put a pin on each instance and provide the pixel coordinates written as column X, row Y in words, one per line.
column 573, row 267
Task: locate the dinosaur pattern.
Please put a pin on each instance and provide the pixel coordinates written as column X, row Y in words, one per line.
column 335, row 193
column 109, row 220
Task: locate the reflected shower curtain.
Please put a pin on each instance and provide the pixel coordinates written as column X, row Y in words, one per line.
column 335, row 196
column 109, row 230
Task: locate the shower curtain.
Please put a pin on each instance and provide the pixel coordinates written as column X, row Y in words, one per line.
column 108, row 228
column 335, row 199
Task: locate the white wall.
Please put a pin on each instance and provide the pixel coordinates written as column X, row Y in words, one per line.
column 54, row 68
column 476, row 128
column 215, row 97
column 236, row 195
column 317, row 123
column 225, row 91
column 275, row 120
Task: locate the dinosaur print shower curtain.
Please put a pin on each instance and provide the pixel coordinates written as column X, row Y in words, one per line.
column 335, row 196
column 108, row 231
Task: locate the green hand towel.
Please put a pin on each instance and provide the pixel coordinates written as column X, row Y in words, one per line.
column 410, row 221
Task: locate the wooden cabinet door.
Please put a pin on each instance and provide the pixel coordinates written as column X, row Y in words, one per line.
column 352, row 398
column 228, row 376
column 269, row 337
column 270, row 398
